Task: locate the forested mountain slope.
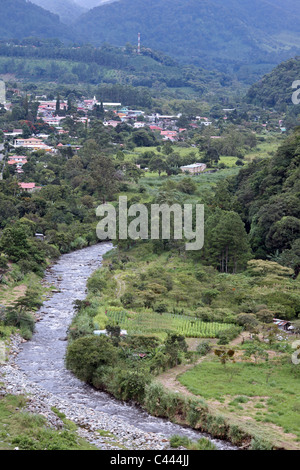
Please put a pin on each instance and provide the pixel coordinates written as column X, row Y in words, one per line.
column 268, row 193
column 275, row 90
column 21, row 19
column 256, row 32
column 68, row 10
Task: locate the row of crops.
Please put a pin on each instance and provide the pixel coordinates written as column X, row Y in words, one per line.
column 151, row 323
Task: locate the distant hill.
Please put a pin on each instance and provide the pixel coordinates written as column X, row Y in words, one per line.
column 68, row 10
column 21, row 19
column 275, row 90
column 117, row 69
column 234, row 34
column 88, row 4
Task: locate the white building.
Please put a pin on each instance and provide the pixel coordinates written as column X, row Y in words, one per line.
column 194, row 169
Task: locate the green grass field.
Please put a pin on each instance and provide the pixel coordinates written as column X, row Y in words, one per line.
column 27, row 431
column 267, row 392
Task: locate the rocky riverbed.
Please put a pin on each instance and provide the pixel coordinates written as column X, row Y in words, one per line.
column 120, row 435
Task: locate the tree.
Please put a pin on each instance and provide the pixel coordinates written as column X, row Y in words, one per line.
column 291, row 258
column 283, row 233
column 225, row 355
column 226, row 242
column 211, row 156
column 57, row 106
column 103, row 173
column 86, row 354
column 175, row 346
column 157, row 164
column 142, row 138
column 14, row 242
column 255, row 350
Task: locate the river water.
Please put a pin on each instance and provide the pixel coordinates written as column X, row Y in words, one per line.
column 42, row 358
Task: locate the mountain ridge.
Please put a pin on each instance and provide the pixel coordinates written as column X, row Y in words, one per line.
column 206, row 32
column 68, row 10
column 30, row 20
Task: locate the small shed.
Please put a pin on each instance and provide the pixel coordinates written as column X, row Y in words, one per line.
column 284, row 325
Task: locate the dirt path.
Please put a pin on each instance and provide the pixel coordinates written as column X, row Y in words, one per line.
column 121, row 285
column 170, row 380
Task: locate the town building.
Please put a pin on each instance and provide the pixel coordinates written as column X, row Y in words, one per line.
column 194, row 169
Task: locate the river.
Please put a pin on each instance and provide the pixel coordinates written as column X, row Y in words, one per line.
column 43, row 358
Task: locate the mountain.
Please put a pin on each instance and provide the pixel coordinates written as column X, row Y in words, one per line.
column 68, row 11
column 88, row 4
column 210, row 33
column 275, row 90
column 20, row 19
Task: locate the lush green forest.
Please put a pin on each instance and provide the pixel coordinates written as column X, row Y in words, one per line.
column 240, row 37
column 244, row 39
column 275, row 90
column 51, row 61
column 268, row 194
column 23, row 19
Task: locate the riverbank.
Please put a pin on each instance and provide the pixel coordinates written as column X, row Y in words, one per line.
column 36, row 369
column 102, row 431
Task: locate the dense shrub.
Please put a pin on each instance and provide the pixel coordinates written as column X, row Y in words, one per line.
column 86, row 354
column 23, row 320
column 179, row 441
column 204, row 348
column 258, row 443
column 228, row 335
column 128, row 384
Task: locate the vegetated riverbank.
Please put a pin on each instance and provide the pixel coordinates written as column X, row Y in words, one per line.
column 64, row 425
column 160, row 402
column 40, row 370
column 148, row 294
column 127, row 367
column 89, row 428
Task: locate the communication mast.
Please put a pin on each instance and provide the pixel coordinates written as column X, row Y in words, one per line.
column 139, row 43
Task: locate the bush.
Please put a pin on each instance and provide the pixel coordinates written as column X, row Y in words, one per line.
column 127, row 299
column 216, row 426
column 208, row 295
column 159, row 402
column 228, row 335
column 204, row 348
column 235, row 435
column 205, row 444
column 82, row 326
column 179, row 441
column 200, row 274
column 96, row 283
column 257, row 443
column 3, row 262
column 16, row 273
column 247, row 320
column 86, row 354
column 26, row 333
column 160, row 308
column 265, row 316
column 24, row 321
column 194, row 411
column 128, row 384
column 27, row 266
